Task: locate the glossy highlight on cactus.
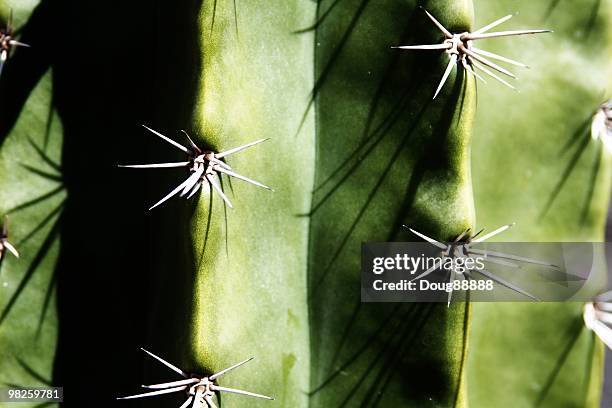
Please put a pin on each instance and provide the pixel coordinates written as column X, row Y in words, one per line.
column 7, row 42
column 460, row 49
column 200, row 389
column 204, row 166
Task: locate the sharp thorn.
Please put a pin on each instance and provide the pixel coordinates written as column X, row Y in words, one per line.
column 167, row 364
column 424, row 47
column 493, row 24
column 215, row 185
column 241, row 392
column 494, row 233
column 486, row 62
column 239, row 148
column 449, row 68
column 153, row 393
column 447, row 33
column 491, row 74
column 227, row 370
column 167, row 139
column 498, row 57
column 426, row 238
column 155, row 165
column 172, row 384
column 238, row 176
column 499, row 34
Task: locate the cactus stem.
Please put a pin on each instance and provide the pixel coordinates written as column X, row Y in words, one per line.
column 460, row 50
column 5, row 245
column 204, row 166
column 597, row 317
column 7, row 42
column 200, row 389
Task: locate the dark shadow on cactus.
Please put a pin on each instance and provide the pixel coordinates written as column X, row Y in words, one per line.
column 347, row 330
column 350, row 360
column 550, row 9
column 38, row 377
column 576, row 136
column 49, row 125
column 391, row 347
column 45, row 405
column 46, row 303
column 146, row 278
column 374, row 338
column 355, row 156
column 33, row 373
column 214, row 16
column 321, row 18
column 43, row 156
column 394, row 357
column 36, row 261
column 42, row 173
column 412, row 33
column 589, row 25
column 332, row 61
column 365, row 145
column 394, row 346
column 385, row 126
column 24, row 69
column 369, row 199
column 394, row 114
column 428, row 159
column 457, row 95
column 42, row 224
column 53, row 215
column 591, row 191
column 37, row 200
column 582, row 134
column 208, row 225
column 236, row 24
column 588, row 28
column 573, row 334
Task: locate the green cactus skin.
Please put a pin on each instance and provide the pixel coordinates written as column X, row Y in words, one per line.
column 28, row 334
column 249, row 287
column 520, row 155
column 411, row 167
column 278, row 277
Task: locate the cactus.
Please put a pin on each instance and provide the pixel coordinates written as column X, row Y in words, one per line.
column 357, row 149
